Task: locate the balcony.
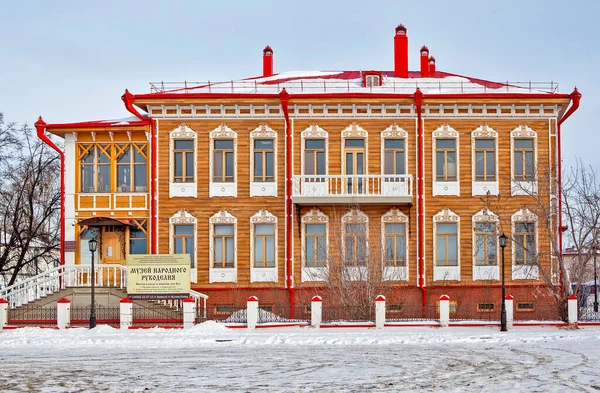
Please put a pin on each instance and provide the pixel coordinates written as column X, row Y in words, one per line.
column 345, row 189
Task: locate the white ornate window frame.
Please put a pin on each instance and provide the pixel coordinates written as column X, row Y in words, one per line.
column 263, row 274
column 446, row 273
column 483, row 187
column 222, row 274
column 355, row 273
column 485, row 272
column 314, row 216
column 223, row 189
column 395, row 273
column 183, row 189
column 524, row 272
column 523, row 187
column 308, row 187
column 354, row 131
column 445, row 187
column 393, row 186
column 183, row 217
column 263, row 188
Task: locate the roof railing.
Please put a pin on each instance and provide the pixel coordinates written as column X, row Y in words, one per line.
column 343, row 86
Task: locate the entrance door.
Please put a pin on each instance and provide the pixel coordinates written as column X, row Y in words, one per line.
column 111, row 244
column 354, row 165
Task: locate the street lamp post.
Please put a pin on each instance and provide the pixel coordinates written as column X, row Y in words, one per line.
column 595, row 249
column 93, row 245
column 503, row 240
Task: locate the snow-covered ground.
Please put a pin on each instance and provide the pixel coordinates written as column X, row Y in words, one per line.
column 212, row 358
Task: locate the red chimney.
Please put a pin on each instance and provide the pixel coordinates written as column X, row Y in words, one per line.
column 424, row 62
column 401, row 53
column 267, row 61
column 432, row 66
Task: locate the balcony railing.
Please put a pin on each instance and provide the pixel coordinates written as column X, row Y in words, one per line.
column 364, row 189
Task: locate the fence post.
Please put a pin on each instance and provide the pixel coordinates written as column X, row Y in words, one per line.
column 380, row 311
column 444, row 311
column 252, row 312
column 189, row 312
column 316, row 311
column 508, row 301
column 3, row 313
column 63, row 313
column 572, row 309
column 126, row 315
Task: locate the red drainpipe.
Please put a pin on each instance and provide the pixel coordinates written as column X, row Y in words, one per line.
column 40, row 126
column 128, row 101
column 575, row 98
column 284, row 96
column 420, row 197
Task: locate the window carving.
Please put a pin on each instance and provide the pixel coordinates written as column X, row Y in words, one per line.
column 183, row 234
column 394, row 150
column 223, row 162
column 223, row 247
column 394, row 228
column 263, row 161
column 263, row 234
column 525, row 245
column 446, row 172
column 183, row 153
column 446, row 232
column 355, row 234
column 523, row 143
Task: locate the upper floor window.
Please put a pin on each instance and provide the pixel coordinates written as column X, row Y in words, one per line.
column 314, row 157
column 184, row 169
column 264, row 163
column 223, row 161
column 485, row 159
column 131, row 167
column 445, row 157
column 95, row 165
column 524, row 159
column 394, row 157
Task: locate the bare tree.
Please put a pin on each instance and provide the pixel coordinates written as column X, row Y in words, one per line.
column 29, row 204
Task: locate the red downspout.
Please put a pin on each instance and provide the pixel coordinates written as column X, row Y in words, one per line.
column 420, row 197
column 128, row 101
column 575, row 98
column 285, row 97
column 40, row 126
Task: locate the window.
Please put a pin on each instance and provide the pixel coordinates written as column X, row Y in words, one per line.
column 524, row 159
column 525, row 306
column 137, row 239
column 394, row 157
column 95, row 167
column 183, row 240
column 131, row 167
column 446, row 244
column 355, row 242
column 445, row 157
column 264, row 167
column 315, row 243
column 485, row 307
column 314, row 157
column 223, row 246
column 264, row 245
column 525, row 247
column 372, row 81
column 223, row 309
column 486, row 252
column 395, row 244
column 183, row 170
column 223, row 161
column 485, row 160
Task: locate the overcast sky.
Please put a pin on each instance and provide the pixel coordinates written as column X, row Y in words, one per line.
column 72, row 60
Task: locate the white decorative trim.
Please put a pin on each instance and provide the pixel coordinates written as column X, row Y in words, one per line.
column 523, row 187
column 223, row 189
column 484, row 187
column 183, row 189
column 524, row 272
column 309, row 273
column 263, row 274
column 395, row 273
column 446, row 273
column 183, row 217
column 354, row 131
column 445, row 187
column 485, row 272
column 263, row 188
column 222, row 274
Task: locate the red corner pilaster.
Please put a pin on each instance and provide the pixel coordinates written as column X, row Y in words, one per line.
column 418, row 96
column 284, row 96
column 40, row 127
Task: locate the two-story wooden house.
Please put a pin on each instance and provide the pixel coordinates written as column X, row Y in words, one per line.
column 281, row 184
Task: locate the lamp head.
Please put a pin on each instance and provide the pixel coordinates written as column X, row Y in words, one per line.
column 503, row 239
column 93, row 245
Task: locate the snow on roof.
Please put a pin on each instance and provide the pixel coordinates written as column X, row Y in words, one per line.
column 125, row 121
column 314, row 82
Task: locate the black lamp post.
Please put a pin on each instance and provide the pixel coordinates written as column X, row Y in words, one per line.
column 595, row 249
column 503, row 240
column 93, row 245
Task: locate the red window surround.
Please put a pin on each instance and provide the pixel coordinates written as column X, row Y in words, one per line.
column 365, row 74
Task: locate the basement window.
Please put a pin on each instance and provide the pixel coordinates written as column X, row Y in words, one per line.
column 485, row 307
column 223, row 309
column 525, row 306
